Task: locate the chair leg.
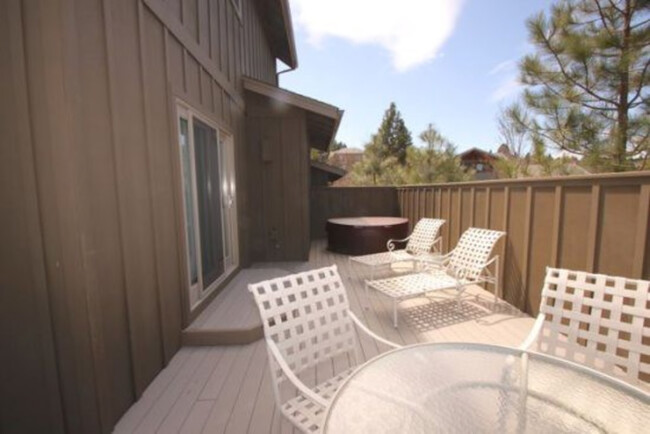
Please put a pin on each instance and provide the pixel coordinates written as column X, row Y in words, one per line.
column 459, row 294
column 395, row 313
column 497, row 286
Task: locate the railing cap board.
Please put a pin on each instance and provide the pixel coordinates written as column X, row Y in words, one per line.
column 355, row 187
column 642, row 177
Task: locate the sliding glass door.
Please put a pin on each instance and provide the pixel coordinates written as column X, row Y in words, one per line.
column 209, row 210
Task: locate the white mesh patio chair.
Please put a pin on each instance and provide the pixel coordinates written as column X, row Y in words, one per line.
column 596, row 320
column 423, row 243
column 467, row 264
column 307, row 321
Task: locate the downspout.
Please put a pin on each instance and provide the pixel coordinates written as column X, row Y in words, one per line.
column 277, row 74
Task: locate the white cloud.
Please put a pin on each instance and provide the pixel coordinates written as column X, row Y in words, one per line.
column 413, row 31
column 509, row 84
column 507, row 89
column 505, row 66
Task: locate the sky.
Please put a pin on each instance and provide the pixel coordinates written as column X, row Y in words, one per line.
column 450, row 63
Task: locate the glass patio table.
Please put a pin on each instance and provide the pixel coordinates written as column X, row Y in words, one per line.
column 482, row 388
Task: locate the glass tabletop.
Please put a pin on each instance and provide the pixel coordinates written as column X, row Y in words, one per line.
column 482, row 388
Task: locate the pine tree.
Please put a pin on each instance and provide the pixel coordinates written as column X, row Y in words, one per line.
column 337, row 145
column 393, row 137
column 437, row 162
column 588, row 84
column 377, row 168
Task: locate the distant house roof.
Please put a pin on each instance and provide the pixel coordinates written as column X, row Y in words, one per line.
column 277, row 24
column 333, row 171
column 504, row 151
column 349, row 151
column 476, row 152
column 322, row 119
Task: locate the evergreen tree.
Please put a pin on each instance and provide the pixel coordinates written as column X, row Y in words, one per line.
column 393, row 137
column 437, row 162
column 588, row 82
column 337, row 145
column 376, row 168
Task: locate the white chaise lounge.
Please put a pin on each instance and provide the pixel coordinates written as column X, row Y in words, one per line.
column 467, row 264
column 423, row 244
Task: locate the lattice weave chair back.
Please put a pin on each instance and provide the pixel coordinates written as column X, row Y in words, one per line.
column 473, row 251
column 306, row 315
column 424, row 235
column 598, row 320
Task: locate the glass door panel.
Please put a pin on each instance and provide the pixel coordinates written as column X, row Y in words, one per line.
column 188, row 195
column 208, row 181
column 209, row 204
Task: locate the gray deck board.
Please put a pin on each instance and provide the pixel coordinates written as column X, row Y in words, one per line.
column 228, row 389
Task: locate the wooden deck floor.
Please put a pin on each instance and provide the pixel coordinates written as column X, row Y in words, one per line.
column 228, row 389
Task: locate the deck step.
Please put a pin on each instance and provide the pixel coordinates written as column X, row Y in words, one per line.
column 232, row 317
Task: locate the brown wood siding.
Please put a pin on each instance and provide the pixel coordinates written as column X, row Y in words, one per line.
column 597, row 223
column 27, row 353
column 92, row 257
column 278, row 167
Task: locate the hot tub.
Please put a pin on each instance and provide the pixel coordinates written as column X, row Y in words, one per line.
column 363, row 235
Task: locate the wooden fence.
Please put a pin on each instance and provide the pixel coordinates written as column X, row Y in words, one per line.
column 327, row 202
column 596, row 223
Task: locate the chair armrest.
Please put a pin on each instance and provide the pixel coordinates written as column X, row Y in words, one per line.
column 485, row 272
column 292, row 377
column 437, row 242
column 390, row 244
column 534, row 332
column 440, row 261
column 370, row 333
column 494, row 258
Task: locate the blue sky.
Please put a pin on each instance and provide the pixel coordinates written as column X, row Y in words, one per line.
column 452, row 63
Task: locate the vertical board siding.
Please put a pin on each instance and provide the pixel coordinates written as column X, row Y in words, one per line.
column 161, row 156
column 277, row 171
column 27, row 348
column 133, row 190
column 539, row 249
column 599, row 222
column 93, row 259
column 615, row 239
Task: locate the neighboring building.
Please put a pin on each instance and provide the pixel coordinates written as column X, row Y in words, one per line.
column 323, row 174
column 147, row 155
column 504, row 151
column 480, row 161
column 345, row 158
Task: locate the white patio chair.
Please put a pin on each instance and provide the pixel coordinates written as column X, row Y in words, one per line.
column 423, row 243
column 467, row 264
column 597, row 320
column 307, row 320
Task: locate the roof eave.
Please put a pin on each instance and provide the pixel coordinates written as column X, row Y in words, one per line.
column 292, row 59
column 319, row 108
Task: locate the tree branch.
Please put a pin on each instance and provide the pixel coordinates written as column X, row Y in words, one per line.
column 611, row 3
column 568, row 77
column 641, row 83
column 602, row 18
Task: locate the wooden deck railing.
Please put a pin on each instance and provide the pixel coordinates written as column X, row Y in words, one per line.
column 328, row 202
column 595, row 223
